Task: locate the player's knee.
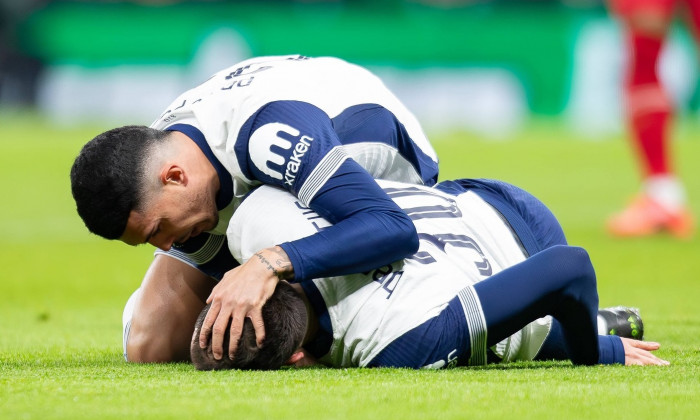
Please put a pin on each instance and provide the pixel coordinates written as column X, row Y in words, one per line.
column 575, row 261
column 156, row 343
column 582, row 278
column 138, row 351
column 146, row 345
column 580, row 257
column 581, row 261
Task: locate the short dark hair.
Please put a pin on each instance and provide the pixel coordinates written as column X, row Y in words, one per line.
column 107, row 177
column 285, row 318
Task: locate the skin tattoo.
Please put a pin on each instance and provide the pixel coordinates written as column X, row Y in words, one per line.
column 281, row 265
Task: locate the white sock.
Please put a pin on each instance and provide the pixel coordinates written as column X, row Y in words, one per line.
column 667, row 190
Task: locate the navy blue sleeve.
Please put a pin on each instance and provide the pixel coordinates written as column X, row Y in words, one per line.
column 610, row 347
column 369, row 229
column 610, row 350
column 293, row 145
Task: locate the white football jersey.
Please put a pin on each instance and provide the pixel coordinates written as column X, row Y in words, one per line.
column 295, row 122
column 463, row 240
column 221, row 106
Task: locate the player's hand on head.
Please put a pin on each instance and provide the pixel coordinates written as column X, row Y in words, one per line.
column 640, row 353
column 241, row 294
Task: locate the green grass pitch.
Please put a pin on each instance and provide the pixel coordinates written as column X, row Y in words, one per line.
column 62, row 292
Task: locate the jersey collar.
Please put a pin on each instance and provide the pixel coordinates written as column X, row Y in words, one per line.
column 225, row 193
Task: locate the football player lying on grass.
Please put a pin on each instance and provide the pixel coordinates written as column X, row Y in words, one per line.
column 493, row 280
column 321, row 128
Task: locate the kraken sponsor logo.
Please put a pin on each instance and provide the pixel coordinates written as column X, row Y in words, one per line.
column 281, row 136
column 295, row 160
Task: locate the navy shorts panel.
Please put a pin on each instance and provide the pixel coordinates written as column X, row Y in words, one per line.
column 441, row 341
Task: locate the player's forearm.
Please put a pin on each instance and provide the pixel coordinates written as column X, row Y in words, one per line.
column 370, row 230
column 361, row 243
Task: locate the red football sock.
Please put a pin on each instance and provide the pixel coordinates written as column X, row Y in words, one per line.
column 648, row 106
column 693, row 8
column 652, row 141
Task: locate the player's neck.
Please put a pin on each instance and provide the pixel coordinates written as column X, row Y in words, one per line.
column 311, row 318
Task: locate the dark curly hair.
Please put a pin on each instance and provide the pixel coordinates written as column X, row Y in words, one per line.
column 107, row 177
column 285, row 320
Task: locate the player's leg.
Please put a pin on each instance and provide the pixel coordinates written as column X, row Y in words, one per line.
column 533, row 222
column 172, row 295
column 646, row 24
column 559, row 281
column 661, row 206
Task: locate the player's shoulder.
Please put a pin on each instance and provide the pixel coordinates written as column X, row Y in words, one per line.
column 267, row 193
column 400, row 189
column 283, row 63
column 270, row 202
column 267, row 216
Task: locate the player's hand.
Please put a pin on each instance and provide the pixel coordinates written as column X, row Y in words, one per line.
column 639, row 353
column 241, row 294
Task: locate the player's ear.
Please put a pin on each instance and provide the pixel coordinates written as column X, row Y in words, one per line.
column 295, row 357
column 173, row 174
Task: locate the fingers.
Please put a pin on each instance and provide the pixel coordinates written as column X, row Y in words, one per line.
column 216, row 324
column 256, row 318
column 639, row 353
column 241, row 293
column 646, row 345
column 237, row 324
column 235, row 333
column 208, row 324
column 644, row 358
column 654, row 360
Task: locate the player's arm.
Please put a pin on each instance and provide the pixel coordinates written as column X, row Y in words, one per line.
column 293, row 145
column 369, row 230
column 172, row 294
column 158, row 324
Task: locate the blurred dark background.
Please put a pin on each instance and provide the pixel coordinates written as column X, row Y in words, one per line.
column 486, row 66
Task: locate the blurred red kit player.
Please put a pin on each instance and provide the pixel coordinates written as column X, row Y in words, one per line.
column 661, row 205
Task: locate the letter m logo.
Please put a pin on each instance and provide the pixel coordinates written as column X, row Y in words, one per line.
column 262, row 153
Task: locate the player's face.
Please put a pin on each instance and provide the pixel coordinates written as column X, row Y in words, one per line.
column 173, row 216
